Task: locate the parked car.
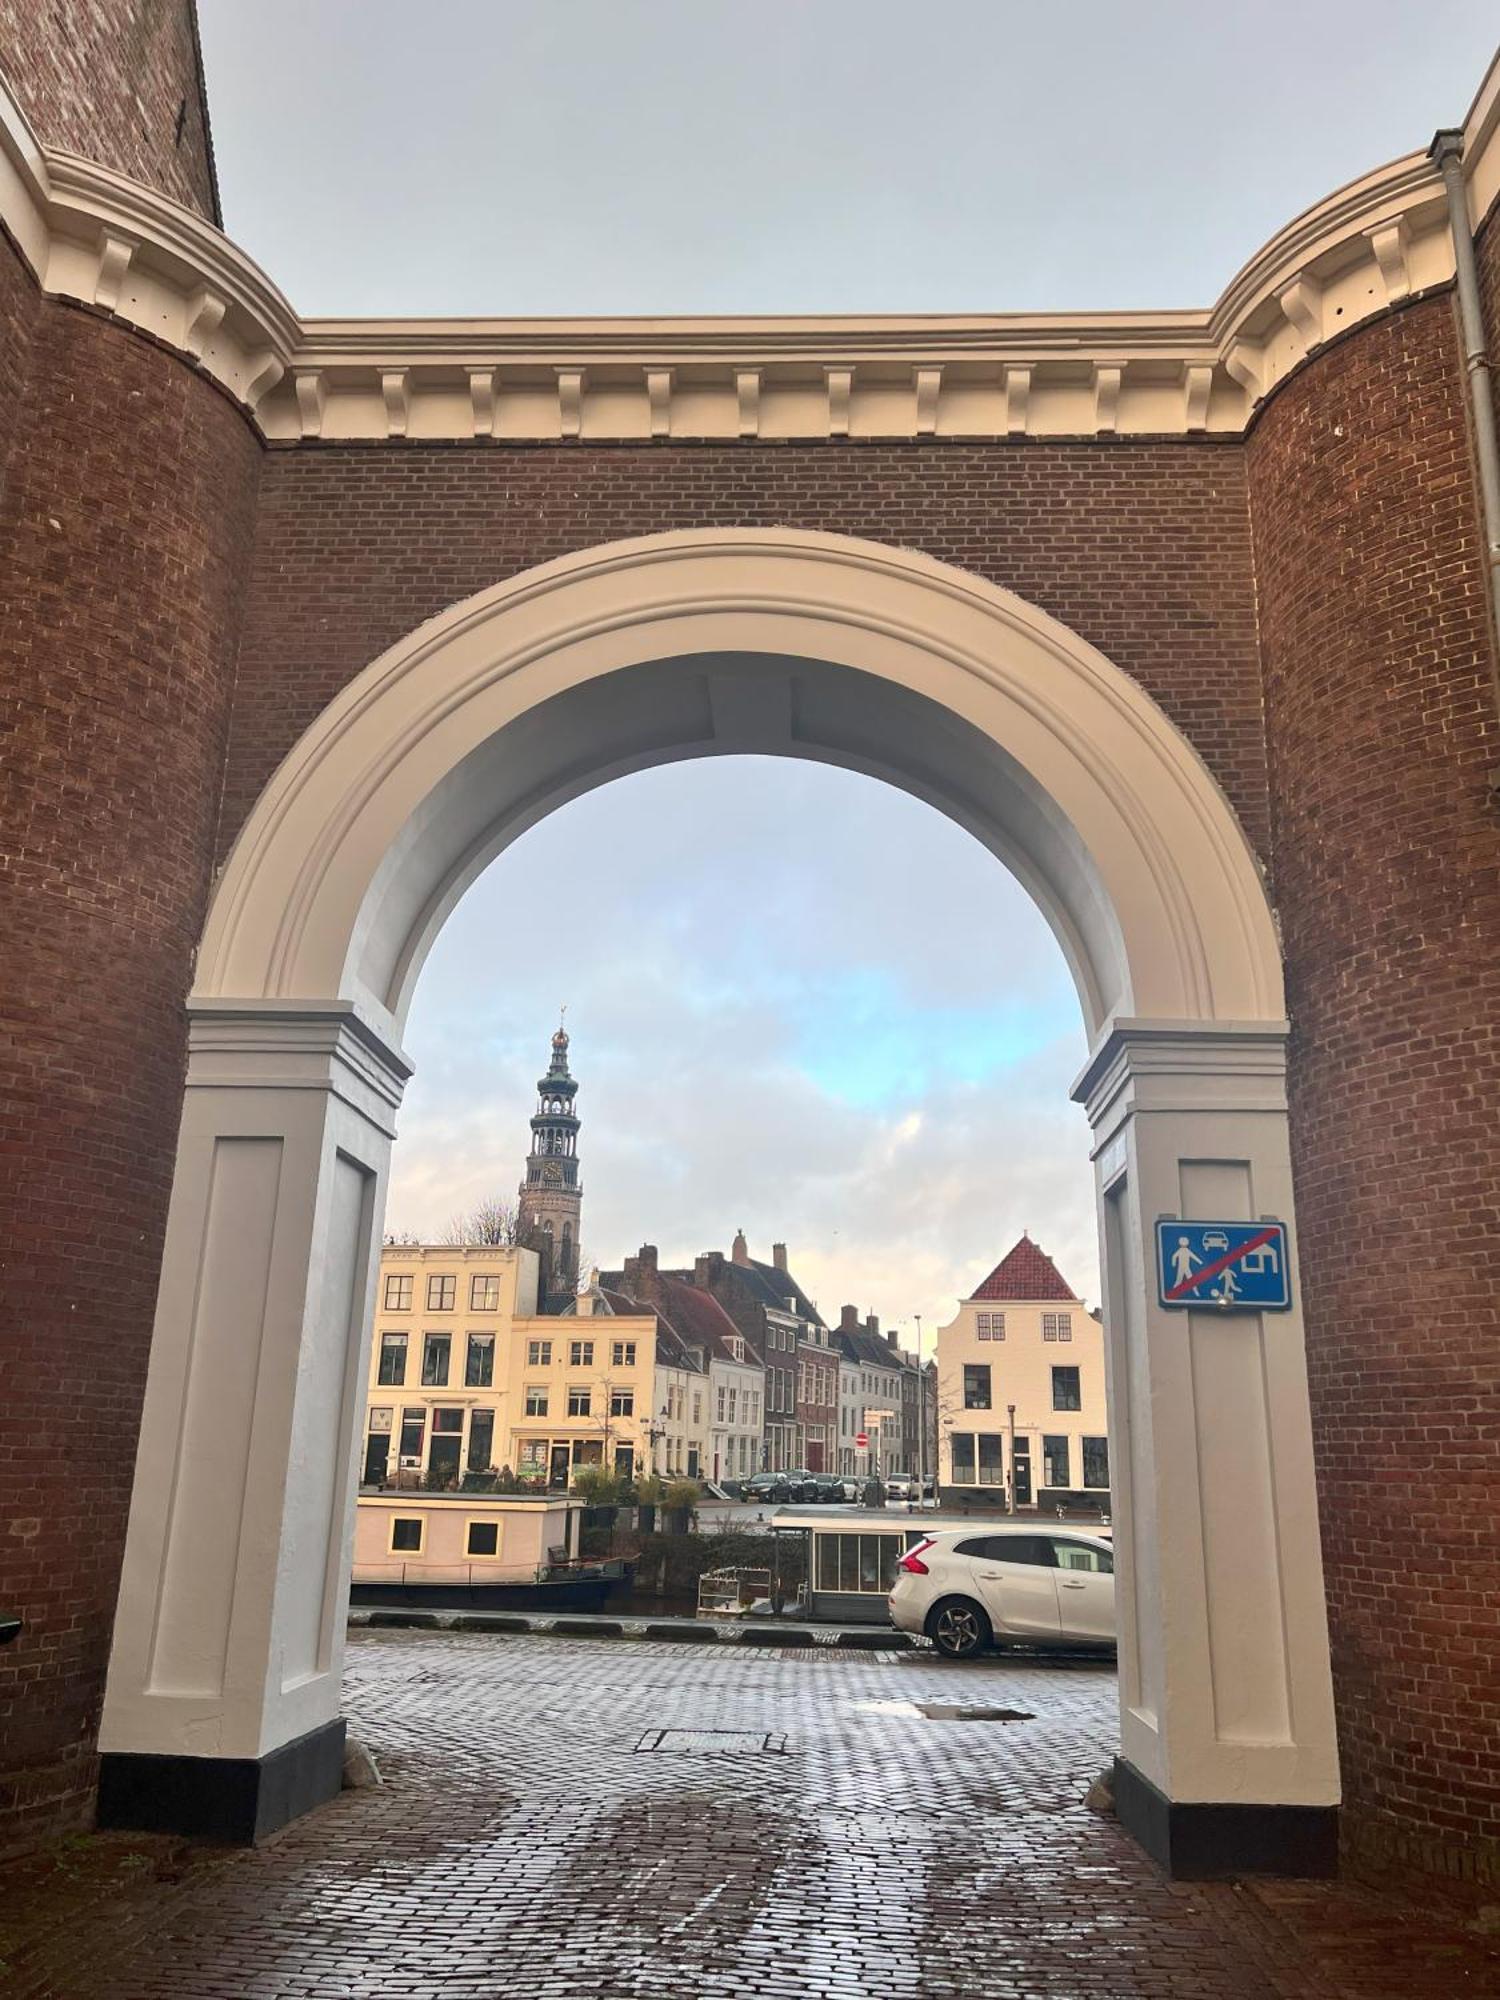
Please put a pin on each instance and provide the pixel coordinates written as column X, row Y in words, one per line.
column 901, row 1486
column 968, row 1590
column 832, row 1490
column 803, row 1482
column 767, row 1486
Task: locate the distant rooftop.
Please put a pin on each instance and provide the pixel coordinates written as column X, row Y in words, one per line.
column 1026, row 1272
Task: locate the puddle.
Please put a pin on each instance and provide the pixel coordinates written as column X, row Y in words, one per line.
column 947, row 1711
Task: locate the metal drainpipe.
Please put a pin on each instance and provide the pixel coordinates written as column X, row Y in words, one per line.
column 1446, row 153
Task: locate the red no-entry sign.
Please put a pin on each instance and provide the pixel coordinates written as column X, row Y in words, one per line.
column 862, row 1442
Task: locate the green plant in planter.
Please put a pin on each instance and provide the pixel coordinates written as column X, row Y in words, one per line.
column 649, row 1489
column 596, row 1485
column 682, row 1497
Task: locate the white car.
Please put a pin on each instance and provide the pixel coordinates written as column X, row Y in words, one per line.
column 968, row 1589
column 900, row 1486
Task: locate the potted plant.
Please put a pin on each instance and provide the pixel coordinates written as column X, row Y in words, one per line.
column 599, row 1491
column 680, row 1504
column 649, row 1489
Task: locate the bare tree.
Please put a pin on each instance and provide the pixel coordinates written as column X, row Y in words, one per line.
column 493, row 1220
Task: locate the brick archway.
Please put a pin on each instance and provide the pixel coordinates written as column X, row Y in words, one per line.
column 228, row 1642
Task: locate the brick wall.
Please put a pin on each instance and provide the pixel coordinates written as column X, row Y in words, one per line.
column 142, row 526
column 117, row 81
column 1386, row 851
column 124, row 532
column 18, row 312
column 1144, row 549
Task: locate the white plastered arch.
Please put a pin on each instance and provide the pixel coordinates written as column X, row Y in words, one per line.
column 717, row 641
column 228, row 1638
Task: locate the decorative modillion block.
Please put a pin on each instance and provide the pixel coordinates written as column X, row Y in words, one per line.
column 96, row 236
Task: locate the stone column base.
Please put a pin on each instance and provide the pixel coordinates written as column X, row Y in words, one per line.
column 235, row 1801
column 1197, row 1843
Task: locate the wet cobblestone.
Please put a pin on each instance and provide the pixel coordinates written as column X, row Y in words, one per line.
column 524, row 1848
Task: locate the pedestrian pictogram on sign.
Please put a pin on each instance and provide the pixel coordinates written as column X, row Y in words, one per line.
column 862, row 1442
column 1230, row 1266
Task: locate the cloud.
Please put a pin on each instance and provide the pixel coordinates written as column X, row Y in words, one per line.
column 802, row 1003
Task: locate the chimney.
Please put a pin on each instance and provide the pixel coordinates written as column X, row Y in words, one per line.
column 872, row 1327
column 706, row 1268
column 891, row 1337
column 848, row 1319
column 638, row 1278
column 778, row 1255
column 740, row 1251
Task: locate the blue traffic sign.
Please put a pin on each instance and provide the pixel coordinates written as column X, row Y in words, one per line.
column 1227, row 1266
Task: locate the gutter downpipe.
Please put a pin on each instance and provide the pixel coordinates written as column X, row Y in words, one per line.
column 1446, row 153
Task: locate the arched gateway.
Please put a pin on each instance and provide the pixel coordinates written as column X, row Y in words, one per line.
column 224, row 1684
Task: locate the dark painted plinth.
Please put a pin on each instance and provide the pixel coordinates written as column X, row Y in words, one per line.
column 1197, row 1843
column 235, row 1801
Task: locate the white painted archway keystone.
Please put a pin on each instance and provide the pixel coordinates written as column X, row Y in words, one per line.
column 225, row 1677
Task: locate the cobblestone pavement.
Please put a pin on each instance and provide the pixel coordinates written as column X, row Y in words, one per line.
column 539, row 1836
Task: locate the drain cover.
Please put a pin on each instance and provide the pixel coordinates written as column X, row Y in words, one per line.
column 715, row 1742
column 945, row 1711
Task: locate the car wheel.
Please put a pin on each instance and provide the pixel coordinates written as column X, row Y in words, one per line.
column 958, row 1628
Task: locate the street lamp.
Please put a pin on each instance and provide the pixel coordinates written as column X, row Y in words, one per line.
column 922, row 1425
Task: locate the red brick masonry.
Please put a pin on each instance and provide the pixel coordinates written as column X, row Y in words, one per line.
column 179, row 603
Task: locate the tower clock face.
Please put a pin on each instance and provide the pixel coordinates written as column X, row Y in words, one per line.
column 552, row 1172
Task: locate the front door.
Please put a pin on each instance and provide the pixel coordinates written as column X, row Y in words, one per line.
column 1020, row 1461
column 562, row 1459
column 625, row 1462
column 442, row 1460
column 377, row 1457
column 1015, row 1578
column 1085, row 1591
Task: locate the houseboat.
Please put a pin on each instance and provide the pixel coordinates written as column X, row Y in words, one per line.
column 477, row 1550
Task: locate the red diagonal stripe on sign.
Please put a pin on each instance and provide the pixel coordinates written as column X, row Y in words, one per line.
column 1223, row 1263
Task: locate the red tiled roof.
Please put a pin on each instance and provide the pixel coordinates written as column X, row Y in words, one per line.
column 1026, row 1272
column 697, row 1316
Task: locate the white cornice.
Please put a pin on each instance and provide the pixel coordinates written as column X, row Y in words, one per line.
column 93, row 235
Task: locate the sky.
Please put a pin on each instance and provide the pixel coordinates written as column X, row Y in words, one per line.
column 658, row 156
column 802, row 1002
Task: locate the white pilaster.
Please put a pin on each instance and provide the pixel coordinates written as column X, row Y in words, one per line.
column 1225, row 1690
column 228, row 1640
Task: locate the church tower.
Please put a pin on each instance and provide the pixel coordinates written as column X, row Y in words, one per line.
column 551, row 1197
